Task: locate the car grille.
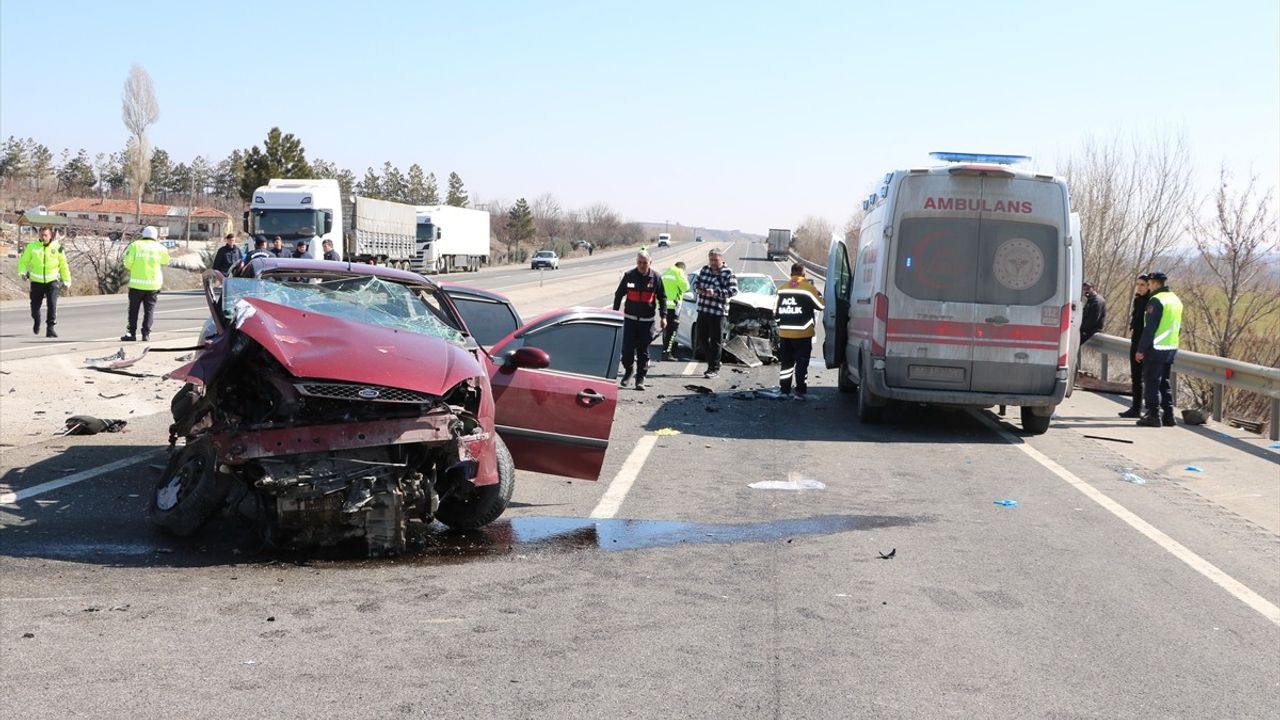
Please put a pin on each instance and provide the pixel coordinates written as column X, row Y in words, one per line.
column 362, row 393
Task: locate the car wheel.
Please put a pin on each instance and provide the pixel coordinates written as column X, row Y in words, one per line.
column 481, row 505
column 190, row 490
column 1033, row 422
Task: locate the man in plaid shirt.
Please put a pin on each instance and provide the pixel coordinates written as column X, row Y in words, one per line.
column 714, row 286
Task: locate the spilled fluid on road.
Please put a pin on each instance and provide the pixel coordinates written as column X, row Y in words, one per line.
column 522, row 534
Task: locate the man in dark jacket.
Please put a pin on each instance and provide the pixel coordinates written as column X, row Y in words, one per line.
column 1094, row 317
column 227, row 256
column 1140, row 291
column 642, row 289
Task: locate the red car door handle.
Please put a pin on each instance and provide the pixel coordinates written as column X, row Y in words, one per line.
column 590, row 397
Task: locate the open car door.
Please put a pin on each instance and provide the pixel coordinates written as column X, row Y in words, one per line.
column 556, row 419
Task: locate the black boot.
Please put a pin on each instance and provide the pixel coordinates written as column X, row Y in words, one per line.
column 626, row 377
column 1133, row 412
column 35, row 327
column 50, row 333
column 1167, row 418
column 1149, row 420
column 639, row 383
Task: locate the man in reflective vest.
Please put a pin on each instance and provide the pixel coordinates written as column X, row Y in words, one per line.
column 1157, row 349
column 45, row 265
column 143, row 259
column 797, row 311
column 642, row 289
column 675, row 283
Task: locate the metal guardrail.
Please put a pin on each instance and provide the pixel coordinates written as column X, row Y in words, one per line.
column 1222, row 372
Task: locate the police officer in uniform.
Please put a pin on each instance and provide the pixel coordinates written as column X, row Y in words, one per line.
column 1157, row 349
column 45, row 265
column 1140, row 293
column 675, row 283
column 642, row 289
column 797, row 308
column 143, row 259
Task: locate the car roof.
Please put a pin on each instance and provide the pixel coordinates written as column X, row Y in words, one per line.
column 261, row 266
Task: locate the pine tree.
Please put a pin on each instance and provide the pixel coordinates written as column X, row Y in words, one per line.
column 161, row 173
column 431, row 193
column 76, row 174
column 416, row 186
column 519, row 225
column 282, row 156
column 370, row 186
column 13, row 159
column 457, row 194
column 394, row 187
column 229, row 176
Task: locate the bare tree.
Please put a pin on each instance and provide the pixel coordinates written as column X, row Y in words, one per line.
column 813, row 238
column 139, row 111
column 1132, row 200
column 547, row 215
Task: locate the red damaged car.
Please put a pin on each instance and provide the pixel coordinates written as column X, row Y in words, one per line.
column 338, row 401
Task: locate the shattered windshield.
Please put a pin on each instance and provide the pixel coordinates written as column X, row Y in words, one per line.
column 756, row 284
column 357, row 299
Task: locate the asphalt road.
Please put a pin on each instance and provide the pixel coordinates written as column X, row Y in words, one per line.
column 694, row 596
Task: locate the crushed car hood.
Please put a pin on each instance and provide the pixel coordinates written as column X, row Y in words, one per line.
column 752, row 300
column 323, row 347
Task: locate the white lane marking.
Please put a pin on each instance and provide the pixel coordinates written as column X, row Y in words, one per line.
column 1242, row 593
column 626, row 477
column 690, row 369
column 11, row 498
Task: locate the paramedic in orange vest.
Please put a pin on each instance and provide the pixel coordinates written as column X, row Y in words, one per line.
column 642, row 289
column 797, row 312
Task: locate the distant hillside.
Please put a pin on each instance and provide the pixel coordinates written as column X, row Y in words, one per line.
column 683, row 233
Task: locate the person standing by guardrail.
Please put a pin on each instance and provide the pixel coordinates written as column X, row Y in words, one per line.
column 714, row 285
column 675, row 283
column 1094, row 316
column 1140, row 295
column 143, row 259
column 645, row 297
column 45, row 264
column 1161, row 328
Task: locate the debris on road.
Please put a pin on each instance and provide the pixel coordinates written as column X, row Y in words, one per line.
column 666, row 432
column 28, row 635
column 794, row 481
column 889, row 555
column 1109, row 439
column 1133, row 478
column 1006, row 502
column 89, row 425
column 118, row 361
column 105, row 396
column 1194, row 416
column 1193, row 468
column 1274, row 446
column 700, row 389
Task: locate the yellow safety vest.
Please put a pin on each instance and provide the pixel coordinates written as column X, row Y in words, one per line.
column 45, row 263
column 1170, row 328
column 143, row 260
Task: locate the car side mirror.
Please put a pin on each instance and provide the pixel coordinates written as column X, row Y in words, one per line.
column 528, row 357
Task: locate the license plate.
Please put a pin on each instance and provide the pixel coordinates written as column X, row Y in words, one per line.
column 936, row 373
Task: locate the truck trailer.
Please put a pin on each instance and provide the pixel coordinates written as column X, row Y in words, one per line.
column 779, row 244
column 451, row 239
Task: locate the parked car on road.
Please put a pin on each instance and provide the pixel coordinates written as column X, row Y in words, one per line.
column 340, row 401
column 545, row 258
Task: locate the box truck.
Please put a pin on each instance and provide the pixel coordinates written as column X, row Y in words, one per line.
column 451, row 239
column 779, row 244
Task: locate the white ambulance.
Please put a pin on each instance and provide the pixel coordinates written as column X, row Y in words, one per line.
column 963, row 290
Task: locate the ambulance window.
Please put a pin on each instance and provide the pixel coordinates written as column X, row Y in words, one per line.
column 937, row 259
column 1018, row 263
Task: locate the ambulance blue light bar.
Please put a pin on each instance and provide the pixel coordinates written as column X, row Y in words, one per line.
column 956, row 157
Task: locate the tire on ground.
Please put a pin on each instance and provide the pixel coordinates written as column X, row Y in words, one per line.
column 870, row 407
column 190, row 491
column 484, row 504
column 843, row 383
column 1035, row 423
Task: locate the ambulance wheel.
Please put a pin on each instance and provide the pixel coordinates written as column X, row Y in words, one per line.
column 1033, row 423
column 842, row 379
column 870, row 406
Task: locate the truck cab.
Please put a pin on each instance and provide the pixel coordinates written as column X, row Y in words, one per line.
column 296, row 210
column 664, row 239
column 960, row 291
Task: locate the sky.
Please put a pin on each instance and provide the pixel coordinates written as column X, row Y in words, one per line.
column 733, row 115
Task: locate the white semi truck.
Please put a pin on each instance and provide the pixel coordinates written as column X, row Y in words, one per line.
column 362, row 229
column 779, row 244
column 451, row 239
